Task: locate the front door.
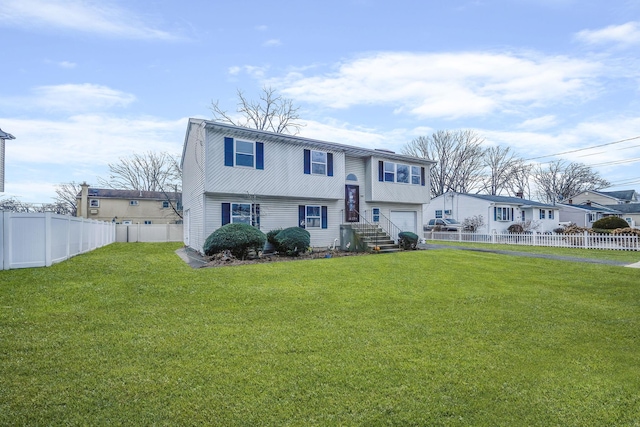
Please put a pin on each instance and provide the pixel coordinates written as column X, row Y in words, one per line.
column 352, row 203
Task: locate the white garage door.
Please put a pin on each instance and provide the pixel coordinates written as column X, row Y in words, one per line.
column 406, row 221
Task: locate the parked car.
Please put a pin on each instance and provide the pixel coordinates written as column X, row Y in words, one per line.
column 443, row 224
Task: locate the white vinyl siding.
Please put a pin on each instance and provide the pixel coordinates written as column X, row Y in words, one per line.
column 282, row 176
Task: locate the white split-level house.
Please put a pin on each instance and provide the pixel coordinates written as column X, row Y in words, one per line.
column 498, row 212
column 271, row 180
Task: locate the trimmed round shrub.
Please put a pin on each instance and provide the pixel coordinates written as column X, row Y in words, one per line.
column 236, row 238
column 292, row 240
column 271, row 238
column 610, row 223
column 408, row 240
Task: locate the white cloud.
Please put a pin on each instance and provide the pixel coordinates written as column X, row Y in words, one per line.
column 94, row 17
column 449, row 85
column 83, row 140
column 272, row 42
column 70, row 98
column 539, row 123
column 624, row 35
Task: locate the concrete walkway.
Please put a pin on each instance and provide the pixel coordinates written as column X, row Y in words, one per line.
column 530, row 255
column 191, row 257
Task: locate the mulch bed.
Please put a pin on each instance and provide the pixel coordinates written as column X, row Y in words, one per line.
column 223, row 260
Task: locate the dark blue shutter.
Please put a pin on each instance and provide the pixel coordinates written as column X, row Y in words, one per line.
column 226, row 213
column 329, row 164
column 324, row 217
column 380, row 171
column 495, row 214
column 423, row 180
column 255, row 219
column 259, row 155
column 301, row 216
column 228, row 151
column 307, row 162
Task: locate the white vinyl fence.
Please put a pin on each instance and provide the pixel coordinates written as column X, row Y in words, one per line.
column 584, row 240
column 149, row 233
column 42, row 239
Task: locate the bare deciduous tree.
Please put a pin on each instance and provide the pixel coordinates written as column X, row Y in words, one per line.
column 13, row 204
column 66, row 198
column 145, row 172
column 503, row 169
column 559, row 180
column 272, row 113
column 460, row 159
column 519, row 184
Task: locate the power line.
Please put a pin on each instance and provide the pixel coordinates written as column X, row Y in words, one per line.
column 584, row 149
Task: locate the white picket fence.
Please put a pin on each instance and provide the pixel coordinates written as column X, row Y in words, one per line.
column 584, row 240
column 42, row 239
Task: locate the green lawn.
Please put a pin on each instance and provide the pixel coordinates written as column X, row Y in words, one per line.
column 622, row 256
column 130, row 335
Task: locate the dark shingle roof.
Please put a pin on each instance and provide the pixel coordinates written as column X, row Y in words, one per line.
column 629, row 208
column 131, row 194
column 626, row 195
column 510, row 200
column 595, row 208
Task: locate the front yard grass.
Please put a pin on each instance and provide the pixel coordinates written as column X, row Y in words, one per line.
column 611, row 255
column 130, row 335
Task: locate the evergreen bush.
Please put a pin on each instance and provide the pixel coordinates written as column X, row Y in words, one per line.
column 292, row 240
column 610, row 223
column 236, row 238
column 408, row 240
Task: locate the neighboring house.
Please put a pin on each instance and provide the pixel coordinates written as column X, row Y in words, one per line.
column 585, row 215
column 129, row 206
column 3, row 136
column 270, row 180
column 630, row 212
column 605, row 198
column 498, row 212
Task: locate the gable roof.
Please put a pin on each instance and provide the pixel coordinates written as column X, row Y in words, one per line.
column 510, row 200
column 265, row 136
column 612, row 209
column 5, row 135
column 109, row 193
column 626, row 195
column 628, row 208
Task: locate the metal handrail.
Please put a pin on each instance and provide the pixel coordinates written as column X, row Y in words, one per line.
column 391, row 228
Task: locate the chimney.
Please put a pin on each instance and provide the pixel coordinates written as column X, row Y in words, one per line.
column 570, row 201
column 520, row 194
column 83, row 207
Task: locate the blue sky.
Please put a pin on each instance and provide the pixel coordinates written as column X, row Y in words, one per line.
column 86, row 82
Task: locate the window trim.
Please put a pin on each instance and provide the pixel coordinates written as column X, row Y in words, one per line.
column 325, row 163
column 438, row 213
column 236, row 153
column 388, row 172
column 308, row 217
column 232, row 216
column 506, row 213
column 542, row 214
column 94, row 205
column 166, row 202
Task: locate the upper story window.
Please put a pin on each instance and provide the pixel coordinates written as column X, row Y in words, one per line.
column 318, row 163
column 389, row 172
column 133, row 203
column 243, row 153
column 94, row 203
column 165, row 203
column 415, row 175
column 400, row 173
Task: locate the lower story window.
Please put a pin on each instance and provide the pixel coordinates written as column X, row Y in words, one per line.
column 550, row 214
column 438, row 213
column 542, row 214
column 147, row 221
column 313, row 217
column 502, row 213
column 241, row 213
